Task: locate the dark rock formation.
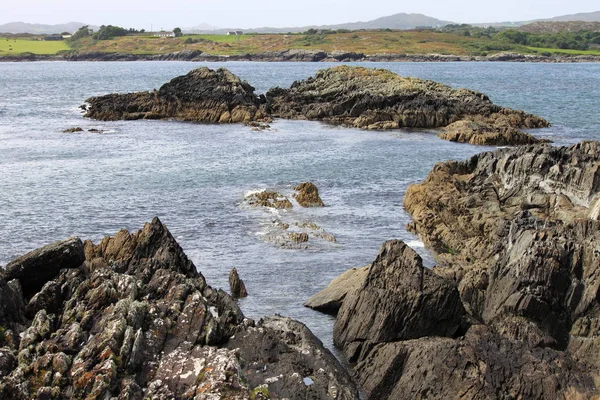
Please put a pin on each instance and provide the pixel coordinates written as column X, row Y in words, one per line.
column 136, row 320
column 307, row 195
column 202, row 95
column 73, row 130
column 39, row 266
column 516, row 231
column 379, row 99
column 330, row 299
column 236, row 285
column 399, row 300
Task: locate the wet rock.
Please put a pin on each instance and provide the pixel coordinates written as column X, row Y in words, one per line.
column 399, row 300
column 236, row 284
column 39, row 266
column 73, row 130
column 307, row 195
column 298, row 237
column 202, row 95
column 379, row 99
column 266, row 198
column 330, row 299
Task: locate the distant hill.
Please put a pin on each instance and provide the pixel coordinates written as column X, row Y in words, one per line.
column 591, row 16
column 40, row 29
column 396, row 21
column 560, row 26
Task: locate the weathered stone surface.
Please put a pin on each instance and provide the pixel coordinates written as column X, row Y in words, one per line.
column 330, row 299
column 481, row 365
column 236, row 284
column 399, row 300
column 495, row 130
column 307, row 195
column 39, row 266
column 285, row 357
column 267, row 198
column 202, row 95
column 379, row 99
column 139, row 321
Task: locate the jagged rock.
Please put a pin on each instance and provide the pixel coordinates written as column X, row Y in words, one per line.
column 202, row 95
column 236, row 284
column 330, row 299
column 39, row 266
column 139, row 321
column 400, row 300
column 298, row 237
column 280, row 354
column 307, row 195
column 379, row 99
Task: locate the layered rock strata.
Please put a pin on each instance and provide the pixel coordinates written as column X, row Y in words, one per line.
column 202, row 95
column 379, row 99
column 136, row 320
column 512, row 309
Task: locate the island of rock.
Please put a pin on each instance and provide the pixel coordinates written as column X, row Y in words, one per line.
column 132, row 318
column 512, row 309
column 202, row 95
column 356, row 97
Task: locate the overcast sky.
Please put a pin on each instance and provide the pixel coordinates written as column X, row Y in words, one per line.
column 168, row 14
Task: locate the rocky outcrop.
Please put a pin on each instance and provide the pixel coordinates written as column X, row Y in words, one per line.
column 495, row 130
column 307, row 195
column 512, row 309
column 236, row 285
column 330, row 299
column 379, row 99
column 202, row 95
column 136, row 320
column 399, row 300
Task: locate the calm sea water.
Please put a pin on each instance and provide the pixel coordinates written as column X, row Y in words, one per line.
column 194, row 177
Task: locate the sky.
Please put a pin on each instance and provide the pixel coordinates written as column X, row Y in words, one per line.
column 168, row 14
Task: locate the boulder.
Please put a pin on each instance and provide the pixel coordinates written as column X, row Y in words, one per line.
column 236, row 284
column 399, row 300
column 379, row 99
column 39, row 266
column 202, row 95
column 307, row 195
column 330, row 299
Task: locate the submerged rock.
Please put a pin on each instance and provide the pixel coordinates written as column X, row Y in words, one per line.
column 236, row 285
column 137, row 320
column 379, row 99
column 202, row 95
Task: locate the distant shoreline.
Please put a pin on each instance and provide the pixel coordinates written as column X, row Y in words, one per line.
column 300, row 56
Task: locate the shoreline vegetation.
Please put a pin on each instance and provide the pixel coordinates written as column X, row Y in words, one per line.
column 449, row 43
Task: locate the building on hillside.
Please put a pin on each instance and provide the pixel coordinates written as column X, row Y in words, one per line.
column 164, row 34
column 237, row 33
column 53, row 37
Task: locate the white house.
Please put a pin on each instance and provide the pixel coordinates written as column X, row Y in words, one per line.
column 164, row 34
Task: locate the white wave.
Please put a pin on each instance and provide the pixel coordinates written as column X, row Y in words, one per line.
column 415, row 243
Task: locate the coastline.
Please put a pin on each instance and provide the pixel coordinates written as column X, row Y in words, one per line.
column 301, row 56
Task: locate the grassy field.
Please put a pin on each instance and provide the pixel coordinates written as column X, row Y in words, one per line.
column 367, row 42
column 18, row 46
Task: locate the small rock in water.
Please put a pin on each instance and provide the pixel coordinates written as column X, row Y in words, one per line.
column 73, row 130
column 238, row 288
column 308, row 195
